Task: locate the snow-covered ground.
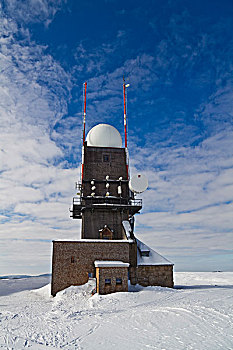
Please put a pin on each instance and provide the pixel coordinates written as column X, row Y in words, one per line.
column 197, row 314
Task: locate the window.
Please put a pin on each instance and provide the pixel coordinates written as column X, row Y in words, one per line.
column 145, row 253
column 106, row 158
column 118, row 281
column 107, row 280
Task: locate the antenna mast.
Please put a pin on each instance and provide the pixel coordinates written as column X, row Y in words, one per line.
column 125, row 123
column 84, row 109
column 84, row 123
column 125, row 117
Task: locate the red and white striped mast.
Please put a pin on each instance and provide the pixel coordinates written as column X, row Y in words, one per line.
column 84, row 108
column 125, row 86
column 84, row 122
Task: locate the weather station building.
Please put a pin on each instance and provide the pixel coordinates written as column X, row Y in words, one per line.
column 108, row 249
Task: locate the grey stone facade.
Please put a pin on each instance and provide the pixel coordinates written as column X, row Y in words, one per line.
column 152, row 275
column 94, row 221
column 99, row 163
column 74, row 260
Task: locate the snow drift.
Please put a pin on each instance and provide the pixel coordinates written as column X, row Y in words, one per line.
column 197, row 314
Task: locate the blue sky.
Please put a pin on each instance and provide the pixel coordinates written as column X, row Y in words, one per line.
column 177, row 57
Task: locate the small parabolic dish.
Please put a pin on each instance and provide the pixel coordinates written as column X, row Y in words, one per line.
column 104, row 135
column 138, row 183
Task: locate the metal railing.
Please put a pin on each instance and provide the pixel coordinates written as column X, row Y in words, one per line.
column 89, row 201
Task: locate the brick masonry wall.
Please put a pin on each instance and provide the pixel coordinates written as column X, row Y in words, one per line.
column 73, row 260
column 96, row 168
column 153, row 275
column 111, row 272
column 133, row 275
column 133, row 254
column 94, row 220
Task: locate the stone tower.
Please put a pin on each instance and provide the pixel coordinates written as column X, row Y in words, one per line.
column 105, row 199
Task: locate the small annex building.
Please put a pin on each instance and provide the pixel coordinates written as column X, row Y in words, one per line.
column 106, row 204
column 111, row 276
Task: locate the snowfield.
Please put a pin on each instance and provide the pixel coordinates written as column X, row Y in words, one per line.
column 197, row 314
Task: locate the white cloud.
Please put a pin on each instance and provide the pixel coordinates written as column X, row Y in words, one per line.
column 188, row 206
column 33, row 10
column 216, row 113
column 36, row 190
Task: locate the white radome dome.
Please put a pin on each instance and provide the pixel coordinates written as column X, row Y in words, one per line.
column 104, row 135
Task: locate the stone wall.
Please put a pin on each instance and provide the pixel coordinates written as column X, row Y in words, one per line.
column 112, row 273
column 73, row 260
column 133, row 254
column 96, row 168
column 95, row 220
column 152, row 275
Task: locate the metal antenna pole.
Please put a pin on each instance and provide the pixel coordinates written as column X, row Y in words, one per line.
column 84, row 109
column 84, row 123
column 125, row 117
column 125, row 125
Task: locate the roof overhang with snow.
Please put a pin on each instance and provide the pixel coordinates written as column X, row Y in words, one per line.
column 150, row 257
column 106, row 263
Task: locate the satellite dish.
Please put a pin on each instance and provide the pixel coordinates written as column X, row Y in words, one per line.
column 138, row 183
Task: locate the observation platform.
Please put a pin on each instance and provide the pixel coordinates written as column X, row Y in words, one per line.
column 111, row 203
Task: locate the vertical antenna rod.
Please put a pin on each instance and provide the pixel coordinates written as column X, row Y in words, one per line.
column 125, row 117
column 84, row 108
column 125, row 124
column 84, row 123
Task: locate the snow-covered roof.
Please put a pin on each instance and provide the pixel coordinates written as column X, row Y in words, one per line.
column 107, row 263
column 153, row 257
column 94, row 240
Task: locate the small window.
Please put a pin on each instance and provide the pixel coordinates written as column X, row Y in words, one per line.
column 145, row 253
column 72, row 260
column 107, row 280
column 106, row 158
column 118, row 281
